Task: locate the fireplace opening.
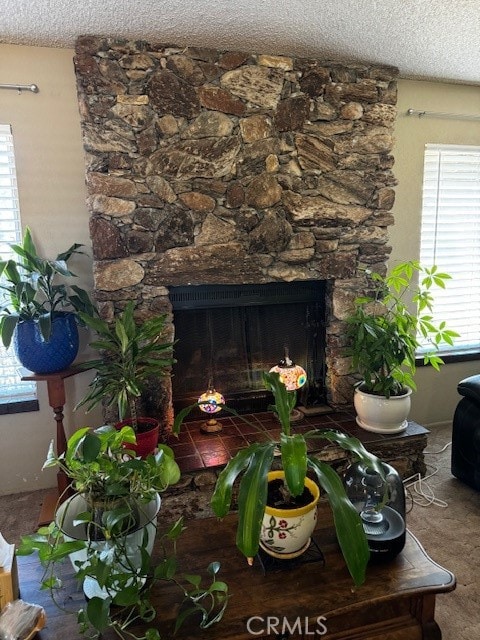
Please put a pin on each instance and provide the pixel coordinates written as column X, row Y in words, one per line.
column 228, row 335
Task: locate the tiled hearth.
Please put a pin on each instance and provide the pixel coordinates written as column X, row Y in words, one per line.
column 196, row 451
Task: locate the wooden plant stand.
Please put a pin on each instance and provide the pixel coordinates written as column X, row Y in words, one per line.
column 56, row 399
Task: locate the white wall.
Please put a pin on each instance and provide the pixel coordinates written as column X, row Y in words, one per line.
column 50, row 169
column 436, row 396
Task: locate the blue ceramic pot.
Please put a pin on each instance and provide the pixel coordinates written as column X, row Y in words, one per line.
column 42, row 356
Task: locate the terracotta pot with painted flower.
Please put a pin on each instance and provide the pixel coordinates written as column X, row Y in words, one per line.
column 288, row 523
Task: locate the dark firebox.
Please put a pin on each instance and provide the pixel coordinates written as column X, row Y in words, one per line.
column 228, row 335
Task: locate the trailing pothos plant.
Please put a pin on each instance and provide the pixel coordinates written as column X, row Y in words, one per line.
column 129, row 603
column 100, row 466
column 103, row 469
column 390, row 323
column 253, row 463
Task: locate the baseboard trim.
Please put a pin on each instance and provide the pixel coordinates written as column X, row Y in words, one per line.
column 437, row 425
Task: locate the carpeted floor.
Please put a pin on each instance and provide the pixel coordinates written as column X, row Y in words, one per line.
column 450, row 536
column 448, row 533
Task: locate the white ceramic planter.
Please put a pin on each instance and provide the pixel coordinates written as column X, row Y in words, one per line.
column 286, row 532
column 65, row 517
column 382, row 415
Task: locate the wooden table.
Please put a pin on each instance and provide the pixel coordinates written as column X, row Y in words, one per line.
column 397, row 601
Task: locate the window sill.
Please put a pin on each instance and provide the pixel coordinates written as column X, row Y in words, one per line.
column 452, row 357
column 21, row 406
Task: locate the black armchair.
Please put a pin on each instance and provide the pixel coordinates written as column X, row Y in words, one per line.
column 466, row 433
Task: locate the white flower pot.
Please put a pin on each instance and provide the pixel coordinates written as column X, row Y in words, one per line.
column 380, row 414
column 286, row 532
column 65, row 517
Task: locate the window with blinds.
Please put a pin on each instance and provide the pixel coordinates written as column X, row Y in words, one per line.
column 450, row 238
column 12, row 389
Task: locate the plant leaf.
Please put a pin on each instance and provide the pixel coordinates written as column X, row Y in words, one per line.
column 91, row 447
column 284, row 400
column 348, row 526
column 252, row 498
column 98, row 612
column 294, row 462
column 222, row 495
column 9, row 322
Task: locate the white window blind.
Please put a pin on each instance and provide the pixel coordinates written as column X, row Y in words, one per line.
column 11, row 387
column 450, row 238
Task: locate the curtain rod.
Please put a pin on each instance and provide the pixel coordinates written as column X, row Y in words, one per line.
column 21, row 87
column 438, row 114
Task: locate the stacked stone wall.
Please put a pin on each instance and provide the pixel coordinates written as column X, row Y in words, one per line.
column 220, row 167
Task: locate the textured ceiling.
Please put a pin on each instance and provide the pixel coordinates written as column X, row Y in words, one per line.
column 426, row 39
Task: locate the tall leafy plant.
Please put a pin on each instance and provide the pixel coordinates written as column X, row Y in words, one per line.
column 388, row 325
column 131, row 354
column 252, row 464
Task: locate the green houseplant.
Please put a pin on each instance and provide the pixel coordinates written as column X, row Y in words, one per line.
column 107, row 529
column 253, row 464
column 384, row 335
column 39, row 307
column 132, row 354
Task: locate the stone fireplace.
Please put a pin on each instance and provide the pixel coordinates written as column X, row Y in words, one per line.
column 208, row 167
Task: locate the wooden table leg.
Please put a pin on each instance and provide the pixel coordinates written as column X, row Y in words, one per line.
column 56, row 399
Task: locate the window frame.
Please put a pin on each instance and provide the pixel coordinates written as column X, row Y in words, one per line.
column 23, row 396
column 437, row 209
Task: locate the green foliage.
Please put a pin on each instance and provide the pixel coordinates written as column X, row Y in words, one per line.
column 100, row 465
column 35, row 289
column 128, row 589
column 382, row 331
column 105, row 471
column 252, row 464
column 132, row 354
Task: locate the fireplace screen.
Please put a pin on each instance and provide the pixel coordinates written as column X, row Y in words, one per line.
column 228, row 335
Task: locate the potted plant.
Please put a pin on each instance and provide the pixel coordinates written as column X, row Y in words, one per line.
column 260, row 524
column 107, row 529
column 384, row 335
column 40, row 309
column 132, row 354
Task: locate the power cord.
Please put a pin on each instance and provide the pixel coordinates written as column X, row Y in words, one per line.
column 434, row 453
column 419, row 491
